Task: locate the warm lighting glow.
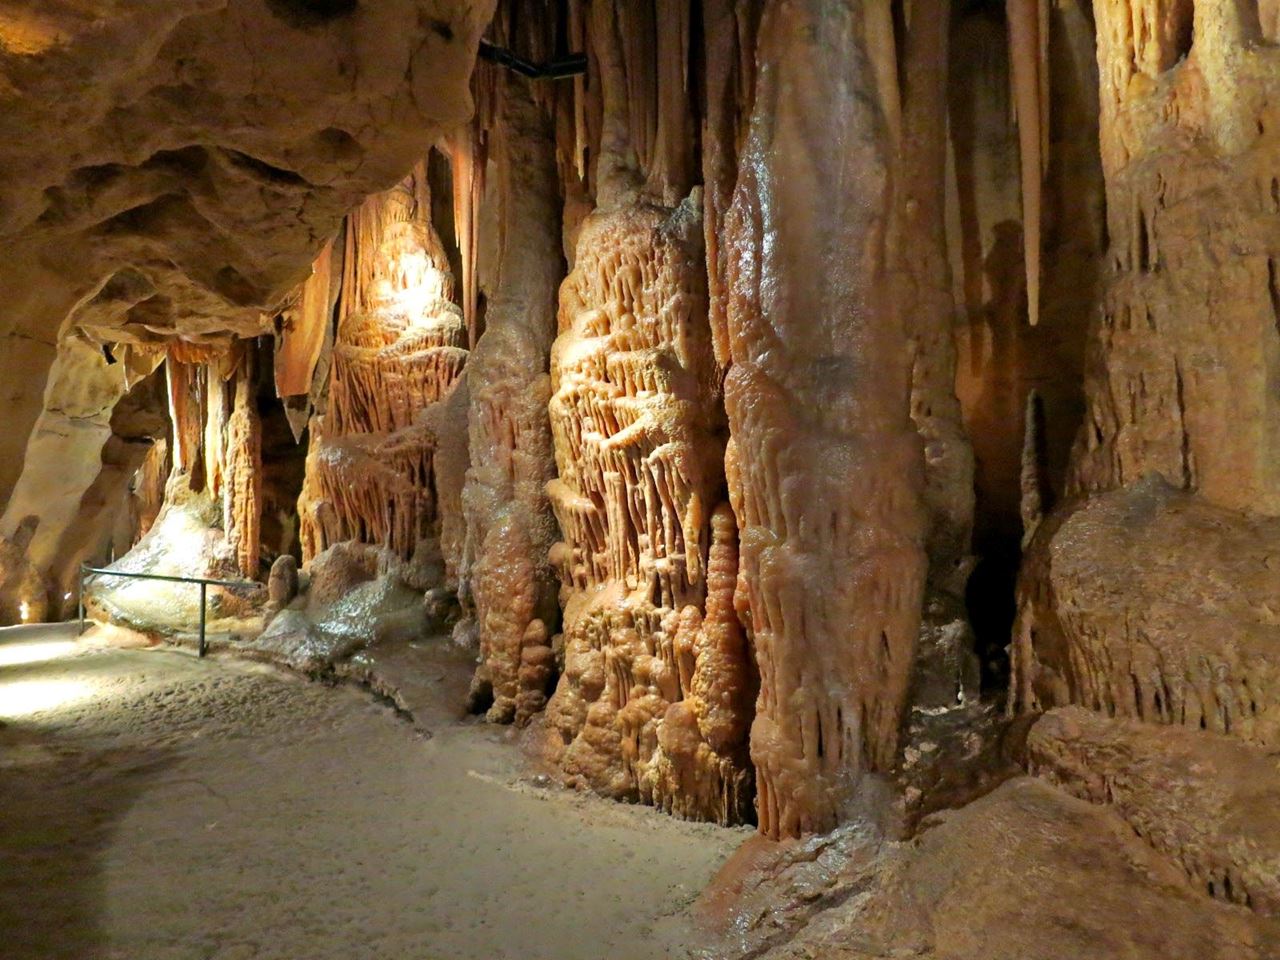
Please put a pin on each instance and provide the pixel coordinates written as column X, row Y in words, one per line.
column 14, row 654
column 24, row 611
column 26, row 698
column 27, row 34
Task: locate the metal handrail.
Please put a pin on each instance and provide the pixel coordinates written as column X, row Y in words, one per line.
column 205, row 584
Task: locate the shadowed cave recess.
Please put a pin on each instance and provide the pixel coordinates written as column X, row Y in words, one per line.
column 855, row 420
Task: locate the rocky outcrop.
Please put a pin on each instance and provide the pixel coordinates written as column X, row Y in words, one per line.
column 1026, row 872
column 1204, row 800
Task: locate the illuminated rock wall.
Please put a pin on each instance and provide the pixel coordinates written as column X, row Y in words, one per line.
column 638, row 430
column 399, row 348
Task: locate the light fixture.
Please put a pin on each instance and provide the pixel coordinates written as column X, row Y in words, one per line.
column 24, row 611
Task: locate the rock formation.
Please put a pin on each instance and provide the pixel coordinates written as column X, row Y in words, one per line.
column 824, row 463
column 638, row 439
column 399, row 348
column 726, row 379
column 510, row 526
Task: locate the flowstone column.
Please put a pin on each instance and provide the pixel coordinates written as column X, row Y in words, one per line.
column 510, row 525
column 824, row 462
column 655, row 697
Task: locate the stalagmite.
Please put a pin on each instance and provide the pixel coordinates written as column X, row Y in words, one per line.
column 638, row 434
column 242, row 493
column 509, row 520
column 824, row 464
column 399, row 350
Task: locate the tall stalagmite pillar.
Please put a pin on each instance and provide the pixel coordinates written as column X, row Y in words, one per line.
column 655, row 696
column 510, row 526
column 824, row 462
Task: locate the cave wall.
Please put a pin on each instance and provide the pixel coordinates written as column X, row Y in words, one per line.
column 725, row 384
column 186, row 189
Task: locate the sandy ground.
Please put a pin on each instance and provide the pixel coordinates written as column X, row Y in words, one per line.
column 156, row 806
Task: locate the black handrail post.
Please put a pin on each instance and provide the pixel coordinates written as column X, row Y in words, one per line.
column 204, row 589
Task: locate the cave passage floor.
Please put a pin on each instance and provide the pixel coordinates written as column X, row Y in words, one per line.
column 154, row 807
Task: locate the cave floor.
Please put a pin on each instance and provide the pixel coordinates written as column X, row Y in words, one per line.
column 153, row 805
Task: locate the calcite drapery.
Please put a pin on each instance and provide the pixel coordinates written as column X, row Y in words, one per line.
column 399, row 349
column 634, row 420
column 509, row 521
column 824, row 463
column 654, row 699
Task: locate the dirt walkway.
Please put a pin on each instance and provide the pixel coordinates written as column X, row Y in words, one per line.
column 157, row 807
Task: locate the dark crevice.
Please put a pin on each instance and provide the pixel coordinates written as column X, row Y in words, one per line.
column 306, row 14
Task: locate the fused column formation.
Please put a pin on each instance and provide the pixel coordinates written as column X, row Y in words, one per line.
column 509, row 521
column 824, row 462
column 399, row 349
column 655, row 695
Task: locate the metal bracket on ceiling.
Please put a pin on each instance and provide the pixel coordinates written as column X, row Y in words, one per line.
column 571, row 66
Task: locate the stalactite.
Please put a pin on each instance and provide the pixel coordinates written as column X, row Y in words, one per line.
column 638, row 433
column 509, row 521
column 918, row 247
column 186, row 412
column 1028, row 52
column 302, row 327
column 728, row 30
column 467, row 158
column 824, row 463
column 399, row 350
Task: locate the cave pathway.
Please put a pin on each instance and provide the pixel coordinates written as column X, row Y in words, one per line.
column 158, row 807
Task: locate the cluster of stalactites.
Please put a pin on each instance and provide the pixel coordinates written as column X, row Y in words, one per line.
column 399, row 349
column 217, row 440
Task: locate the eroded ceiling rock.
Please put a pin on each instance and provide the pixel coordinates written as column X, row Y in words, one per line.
column 171, row 167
